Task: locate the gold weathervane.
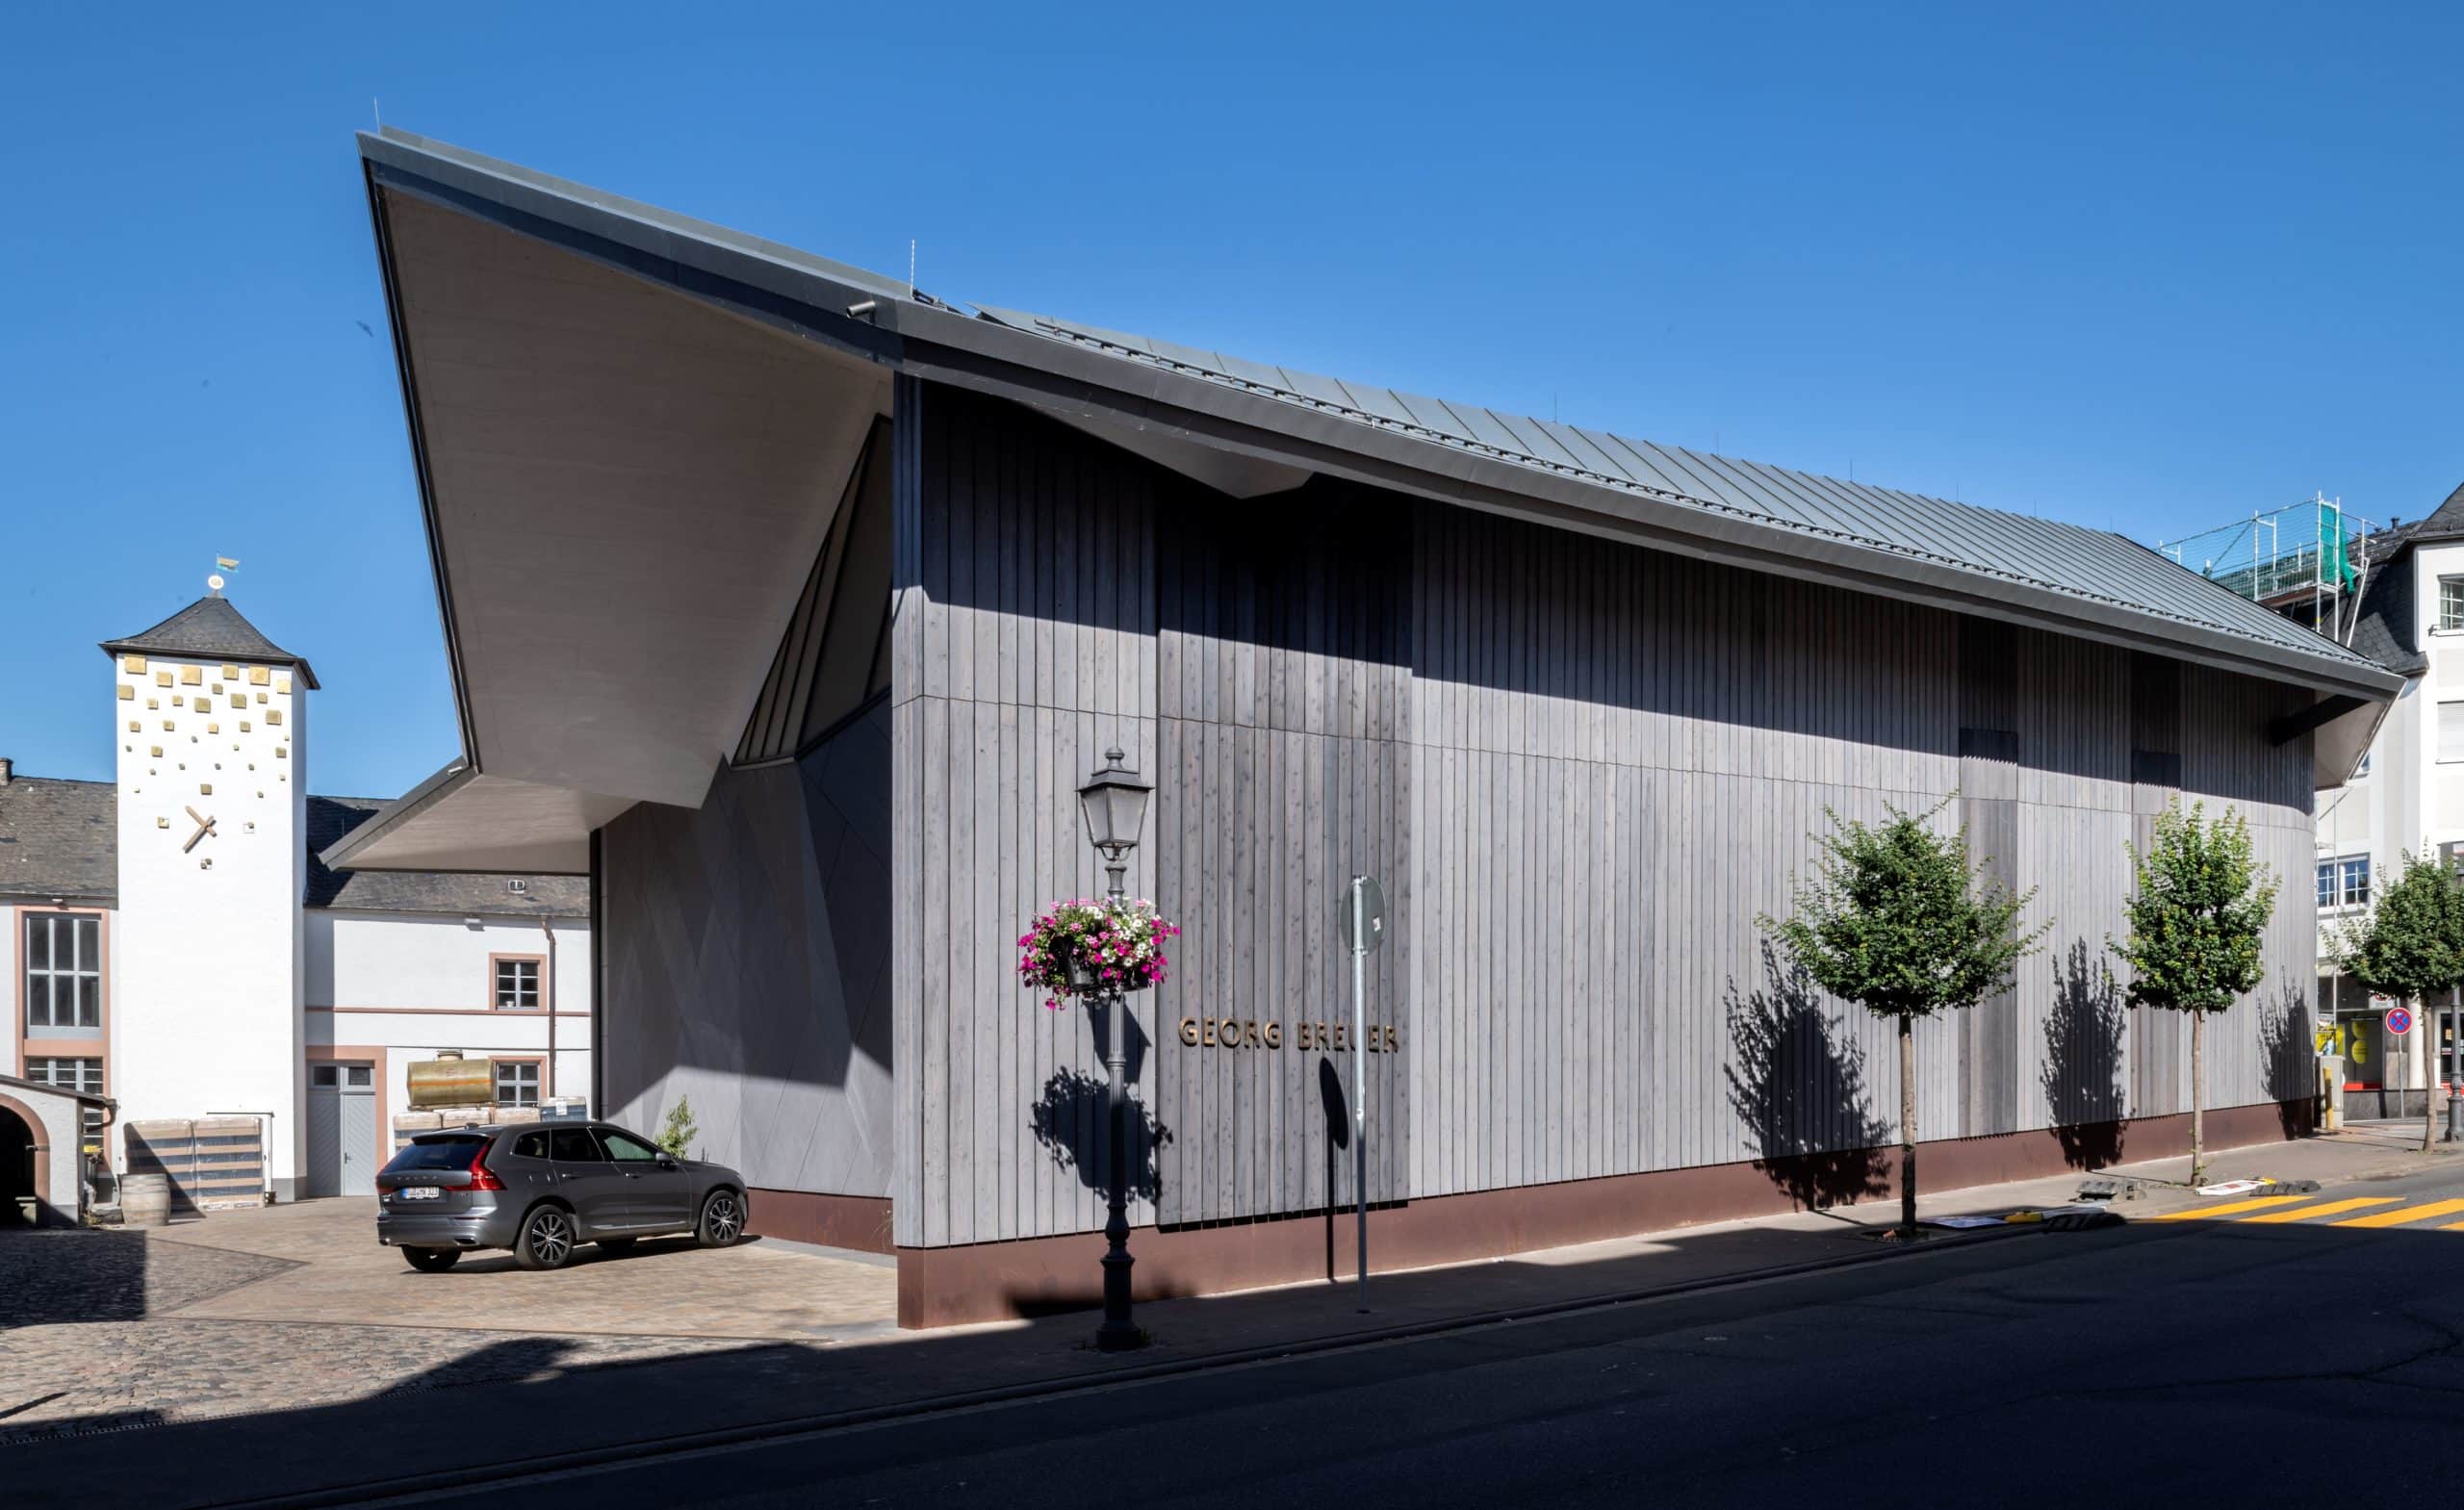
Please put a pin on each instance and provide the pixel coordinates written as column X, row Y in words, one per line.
column 214, row 580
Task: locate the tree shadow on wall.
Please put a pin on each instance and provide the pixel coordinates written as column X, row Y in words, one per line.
column 2081, row 1074
column 1798, row 1083
column 2288, row 1053
column 1073, row 1123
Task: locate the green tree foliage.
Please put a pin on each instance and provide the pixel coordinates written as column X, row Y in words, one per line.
column 676, row 1137
column 2412, row 943
column 2198, row 922
column 1895, row 918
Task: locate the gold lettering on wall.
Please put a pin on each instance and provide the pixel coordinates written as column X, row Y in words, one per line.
column 1249, row 1032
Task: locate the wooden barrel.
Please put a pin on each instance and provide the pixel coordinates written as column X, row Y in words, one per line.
column 145, row 1199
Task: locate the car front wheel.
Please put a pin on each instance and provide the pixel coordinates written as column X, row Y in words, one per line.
column 548, row 1238
column 432, row 1260
column 721, row 1219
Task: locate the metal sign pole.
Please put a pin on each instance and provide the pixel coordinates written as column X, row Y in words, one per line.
column 1359, row 1075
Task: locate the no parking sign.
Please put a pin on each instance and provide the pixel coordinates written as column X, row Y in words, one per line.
column 2399, row 1020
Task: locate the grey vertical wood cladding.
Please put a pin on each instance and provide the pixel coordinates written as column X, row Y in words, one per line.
column 1581, row 769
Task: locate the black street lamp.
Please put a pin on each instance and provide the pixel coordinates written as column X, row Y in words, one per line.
column 1114, row 802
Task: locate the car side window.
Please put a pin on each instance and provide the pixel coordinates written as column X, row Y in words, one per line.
column 626, row 1148
column 530, row 1145
column 574, row 1146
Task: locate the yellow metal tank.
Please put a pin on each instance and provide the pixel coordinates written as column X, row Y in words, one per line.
column 450, row 1080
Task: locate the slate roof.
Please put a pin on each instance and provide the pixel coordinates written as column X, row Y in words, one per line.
column 451, row 892
column 2386, row 629
column 210, row 627
column 59, row 839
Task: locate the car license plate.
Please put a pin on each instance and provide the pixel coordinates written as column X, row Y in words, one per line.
column 418, row 1192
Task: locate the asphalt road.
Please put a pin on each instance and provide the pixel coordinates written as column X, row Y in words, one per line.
column 2206, row 1362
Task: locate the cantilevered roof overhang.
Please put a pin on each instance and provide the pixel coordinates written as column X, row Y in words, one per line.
column 632, row 428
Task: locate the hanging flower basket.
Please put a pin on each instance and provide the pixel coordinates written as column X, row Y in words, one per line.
column 1083, row 948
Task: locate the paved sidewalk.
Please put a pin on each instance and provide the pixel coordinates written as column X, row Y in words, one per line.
column 259, row 1347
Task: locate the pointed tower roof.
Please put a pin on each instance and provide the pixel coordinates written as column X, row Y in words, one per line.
column 210, row 629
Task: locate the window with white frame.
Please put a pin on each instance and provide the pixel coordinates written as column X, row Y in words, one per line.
column 517, row 983
column 2344, row 882
column 2450, row 604
column 68, row 1074
column 517, row 1081
column 63, row 970
column 2451, row 732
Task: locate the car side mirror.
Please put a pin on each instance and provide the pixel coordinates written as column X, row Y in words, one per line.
column 667, row 1161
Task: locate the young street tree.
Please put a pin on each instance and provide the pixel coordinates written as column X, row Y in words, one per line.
column 2411, row 946
column 1895, row 919
column 2196, row 924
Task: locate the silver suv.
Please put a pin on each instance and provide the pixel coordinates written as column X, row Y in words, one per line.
column 544, row 1188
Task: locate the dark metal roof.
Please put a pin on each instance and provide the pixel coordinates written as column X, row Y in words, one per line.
column 2094, row 565
column 454, row 892
column 210, row 629
column 59, row 838
column 2075, row 581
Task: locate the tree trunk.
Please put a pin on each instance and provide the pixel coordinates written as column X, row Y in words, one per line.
column 2198, row 1099
column 2424, row 1035
column 1907, row 1131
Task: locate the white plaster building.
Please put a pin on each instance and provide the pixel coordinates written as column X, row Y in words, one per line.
column 173, row 943
column 2408, row 797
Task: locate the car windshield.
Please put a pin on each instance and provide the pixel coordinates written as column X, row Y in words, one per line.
column 453, row 1151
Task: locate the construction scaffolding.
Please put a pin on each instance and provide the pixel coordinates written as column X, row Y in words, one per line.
column 2307, row 561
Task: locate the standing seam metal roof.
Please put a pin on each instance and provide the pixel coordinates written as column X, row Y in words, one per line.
column 2094, row 565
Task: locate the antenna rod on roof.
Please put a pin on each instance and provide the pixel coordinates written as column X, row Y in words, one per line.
column 911, row 266
column 376, row 110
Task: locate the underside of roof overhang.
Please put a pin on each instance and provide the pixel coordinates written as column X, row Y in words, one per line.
column 461, row 820
column 625, row 488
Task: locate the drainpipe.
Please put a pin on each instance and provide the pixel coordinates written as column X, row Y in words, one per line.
column 549, row 997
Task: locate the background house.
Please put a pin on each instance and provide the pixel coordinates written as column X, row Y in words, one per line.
column 175, row 944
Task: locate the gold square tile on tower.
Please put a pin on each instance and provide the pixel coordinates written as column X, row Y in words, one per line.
column 282, row 681
column 230, row 673
column 134, row 665
column 161, row 678
column 205, row 788
column 273, row 716
column 192, row 676
column 259, row 676
column 127, row 693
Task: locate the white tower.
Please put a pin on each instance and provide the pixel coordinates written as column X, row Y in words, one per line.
column 205, row 1016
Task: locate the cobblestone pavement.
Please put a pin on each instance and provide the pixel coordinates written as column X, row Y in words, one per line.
column 296, row 1305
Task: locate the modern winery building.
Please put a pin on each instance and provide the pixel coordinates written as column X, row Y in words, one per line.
column 792, row 606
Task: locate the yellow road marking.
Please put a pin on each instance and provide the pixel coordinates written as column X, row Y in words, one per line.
column 2402, row 1215
column 2229, row 1207
column 2329, row 1210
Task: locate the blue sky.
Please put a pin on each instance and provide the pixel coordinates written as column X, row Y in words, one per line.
column 2144, row 267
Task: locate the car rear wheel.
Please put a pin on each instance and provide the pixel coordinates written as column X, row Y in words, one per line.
column 548, row 1238
column 721, row 1219
column 432, row 1260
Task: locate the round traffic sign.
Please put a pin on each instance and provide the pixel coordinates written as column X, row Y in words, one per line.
column 2399, row 1020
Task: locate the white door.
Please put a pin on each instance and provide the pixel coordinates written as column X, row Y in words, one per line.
column 342, row 1130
